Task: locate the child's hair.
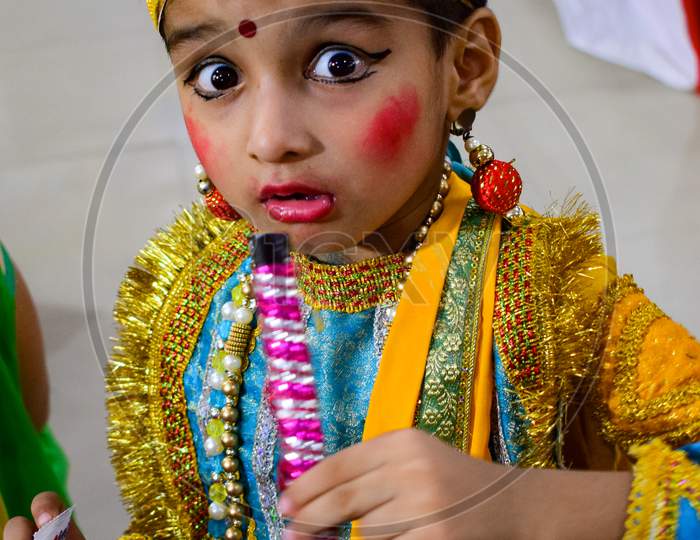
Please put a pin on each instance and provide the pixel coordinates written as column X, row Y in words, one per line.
column 444, row 16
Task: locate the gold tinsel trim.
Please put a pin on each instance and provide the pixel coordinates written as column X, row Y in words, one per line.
column 662, row 477
column 133, row 433
column 631, row 344
column 617, row 291
column 558, row 320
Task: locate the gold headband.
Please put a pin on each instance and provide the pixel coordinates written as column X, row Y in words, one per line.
column 155, row 8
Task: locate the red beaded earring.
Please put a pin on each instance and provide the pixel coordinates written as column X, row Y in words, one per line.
column 216, row 204
column 496, row 185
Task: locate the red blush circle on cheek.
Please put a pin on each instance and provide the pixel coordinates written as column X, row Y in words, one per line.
column 391, row 127
column 200, row 140
column 247, row 28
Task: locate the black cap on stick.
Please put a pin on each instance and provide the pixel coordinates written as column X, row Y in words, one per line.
column 272, row 248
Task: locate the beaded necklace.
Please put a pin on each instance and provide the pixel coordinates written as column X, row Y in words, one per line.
column 229, row 360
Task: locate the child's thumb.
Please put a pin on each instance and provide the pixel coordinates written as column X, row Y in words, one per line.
column 45, row 507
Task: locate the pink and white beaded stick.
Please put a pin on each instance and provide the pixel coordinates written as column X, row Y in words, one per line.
column 290, row 383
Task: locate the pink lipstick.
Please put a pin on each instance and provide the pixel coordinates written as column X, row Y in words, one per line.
column 296, row 202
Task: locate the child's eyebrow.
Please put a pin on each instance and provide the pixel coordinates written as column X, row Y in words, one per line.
column 199, row 32
column 313, row 21
column 322, row 17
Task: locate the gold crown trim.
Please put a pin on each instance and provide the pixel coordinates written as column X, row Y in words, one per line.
column 155, row 10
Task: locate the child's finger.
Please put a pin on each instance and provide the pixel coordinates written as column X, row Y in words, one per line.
column 343, row 467
column 345, row 502
column 45, row 507
column 19, row 528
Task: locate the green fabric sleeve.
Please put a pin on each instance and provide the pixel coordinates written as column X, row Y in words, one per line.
column 30, row 462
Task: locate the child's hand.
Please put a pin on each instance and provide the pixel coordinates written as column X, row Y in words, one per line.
column 404, row 484
column 45, row 507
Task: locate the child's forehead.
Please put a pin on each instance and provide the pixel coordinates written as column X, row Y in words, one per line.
column 291, row 21
column 180, row 11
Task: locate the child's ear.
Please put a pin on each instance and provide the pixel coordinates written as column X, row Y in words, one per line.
column 473, row 56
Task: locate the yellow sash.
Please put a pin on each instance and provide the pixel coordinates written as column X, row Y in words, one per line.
column 397, row 385
column 399, row 378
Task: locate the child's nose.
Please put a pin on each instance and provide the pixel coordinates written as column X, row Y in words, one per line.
column 278, row 131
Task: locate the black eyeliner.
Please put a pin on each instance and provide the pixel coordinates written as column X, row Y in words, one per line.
column 379, row 55
column 346, row 81
column 372, row 57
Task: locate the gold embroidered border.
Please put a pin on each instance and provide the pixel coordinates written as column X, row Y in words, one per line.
column 630, row 346
column 662, row 477
column 175, row 336
column 617, row 291
column 479, row 252
column 444, row 407
column 544, row 329
column 144, row 459
column 630, row 424
column 350, row 288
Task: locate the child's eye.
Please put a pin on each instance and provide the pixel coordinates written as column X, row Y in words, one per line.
column 341, row 64
column 214, row 79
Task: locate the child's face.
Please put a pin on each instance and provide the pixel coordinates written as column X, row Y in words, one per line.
column 327, row 129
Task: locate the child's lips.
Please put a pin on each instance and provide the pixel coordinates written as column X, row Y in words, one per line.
column 308, row 209
column 296, row 203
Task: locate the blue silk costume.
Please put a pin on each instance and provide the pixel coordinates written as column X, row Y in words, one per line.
column 344, row 385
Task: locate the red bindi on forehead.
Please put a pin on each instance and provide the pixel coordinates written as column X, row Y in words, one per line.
column 247, row 28
column 392, row 126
